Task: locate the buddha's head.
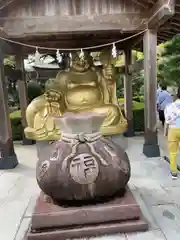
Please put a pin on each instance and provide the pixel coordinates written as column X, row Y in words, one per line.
column 79, row 63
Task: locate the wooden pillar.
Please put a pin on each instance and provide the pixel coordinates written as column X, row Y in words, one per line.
column 23, row 97
column 151, row 147
column 128, row 93
column 8, row 158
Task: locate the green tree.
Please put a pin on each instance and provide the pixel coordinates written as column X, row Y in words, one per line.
column 34, row 90
column 137, row 77
column 137, row 82
column 169, row 62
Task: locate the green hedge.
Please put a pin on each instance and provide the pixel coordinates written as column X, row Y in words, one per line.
column 34, row 90
column 16, row 125
column 138, row 98
column 138, row 115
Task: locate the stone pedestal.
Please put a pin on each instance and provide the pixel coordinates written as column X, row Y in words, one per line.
column 53, row 222
column 84, row 177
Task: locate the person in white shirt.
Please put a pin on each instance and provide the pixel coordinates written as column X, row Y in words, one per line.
column 172, row 118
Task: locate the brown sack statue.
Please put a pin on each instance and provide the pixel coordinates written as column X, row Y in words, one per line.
column 83, row 164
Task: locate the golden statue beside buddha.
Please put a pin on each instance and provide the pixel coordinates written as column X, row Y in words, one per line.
column 81, row 88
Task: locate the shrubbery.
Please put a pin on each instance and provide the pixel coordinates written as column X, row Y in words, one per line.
column 16, row 125
column 138, row 98
column 138, row 114
column 34, row 90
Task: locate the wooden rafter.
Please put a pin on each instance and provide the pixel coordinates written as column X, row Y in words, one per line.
column 24, row 27
column 175, row 25
column 140, row 4
column 151, row 1
column 5, row 4
column 2, row 33
column 27, row 26
column 148, row 3
column 161, row 12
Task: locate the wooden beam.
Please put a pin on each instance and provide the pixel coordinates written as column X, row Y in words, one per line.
column 150, row 148
column 137, row 40
column 136, row 67
column 71, row 43
column 128, row 93
column 132, row 68
column 139, row 3
column 2, row 33
column 160, row 13
column 26, row 26
column 177, row 29
column 23, row 96
column 175, row 24
column 160, row 40
column 5, row 4
column 121, row 69
column 8, row 159
column 151, row 1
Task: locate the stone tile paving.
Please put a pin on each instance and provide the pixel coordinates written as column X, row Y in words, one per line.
column 151, row 185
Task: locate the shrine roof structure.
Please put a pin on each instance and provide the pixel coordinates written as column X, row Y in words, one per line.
column 80, row 23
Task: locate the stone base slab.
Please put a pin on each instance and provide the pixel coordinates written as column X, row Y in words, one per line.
column 53, row 222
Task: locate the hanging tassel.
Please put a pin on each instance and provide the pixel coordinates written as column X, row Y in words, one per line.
column 37, row 56
column 81, row 55
column 58, row 56
column 70, row 59
column 114, row 51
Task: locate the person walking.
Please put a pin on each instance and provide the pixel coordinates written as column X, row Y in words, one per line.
column 163, row 99
column 172, row 118
column 158, row 90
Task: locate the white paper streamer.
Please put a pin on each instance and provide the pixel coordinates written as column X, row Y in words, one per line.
column 114, row 51
column 81, row 55
column 37, row 56
column 58, row 56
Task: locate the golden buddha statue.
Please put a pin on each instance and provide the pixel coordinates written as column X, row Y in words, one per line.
column 41, row 112
column 81, row 88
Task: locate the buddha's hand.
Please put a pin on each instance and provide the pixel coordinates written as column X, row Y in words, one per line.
column 53, row 106
column 52, row 96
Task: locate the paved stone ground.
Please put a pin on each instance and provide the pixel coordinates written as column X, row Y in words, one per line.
column 151, row 184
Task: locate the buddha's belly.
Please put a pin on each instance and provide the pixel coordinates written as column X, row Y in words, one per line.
column 83, row 97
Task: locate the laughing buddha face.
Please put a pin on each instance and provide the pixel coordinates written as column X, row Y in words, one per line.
column 81, row 64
